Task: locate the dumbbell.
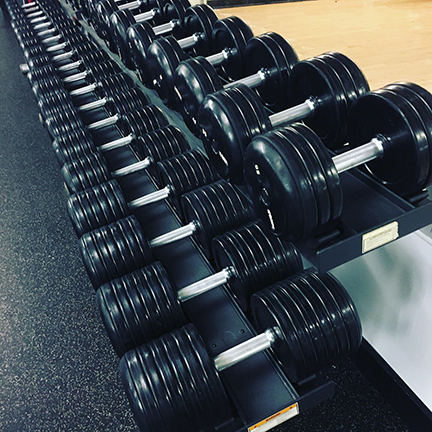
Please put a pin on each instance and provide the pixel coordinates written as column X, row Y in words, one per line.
column 37, row 56
column 119, row 103
column 92, row 170
column 50, row 79
column 120, row 22
column 248, row 259
column 198, row 19
column 163, row 52
column 105, row 88
column 39, row 18
column 121, row 247
column 105, row 203
column 294, row 182
column 321, row 91
column 50, row 33
column 229, row 37
column 172, row 383
column 106, row 8
column 79, row 143
column 268, row 61
column 102, row 11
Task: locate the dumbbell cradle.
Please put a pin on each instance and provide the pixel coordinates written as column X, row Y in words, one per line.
column 230, row 208
column 120, row 22
column 247, row 259
column 321, row 92
column 287, row 322
column 186, row 172
column 294, row 182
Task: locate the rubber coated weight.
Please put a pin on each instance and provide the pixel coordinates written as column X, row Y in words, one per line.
column 322, row 96
column 286, row 328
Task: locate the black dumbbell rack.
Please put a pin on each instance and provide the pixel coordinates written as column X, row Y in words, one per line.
column 257, row 386
column 370, row 210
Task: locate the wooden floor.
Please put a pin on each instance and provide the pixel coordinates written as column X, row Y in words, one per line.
column 391, row 40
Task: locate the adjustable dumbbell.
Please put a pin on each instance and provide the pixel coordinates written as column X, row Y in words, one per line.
column 294, row 182
column 321, row 91
column 120, row 22
column 247, row 259
column 133, row 124
column 92, row 169
column 199, row 18
column 268, row 61
column 228, row 39
column 121, row 247
column 105, row 203
column 172, row 383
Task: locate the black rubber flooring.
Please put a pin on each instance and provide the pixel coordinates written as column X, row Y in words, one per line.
column 57, row 369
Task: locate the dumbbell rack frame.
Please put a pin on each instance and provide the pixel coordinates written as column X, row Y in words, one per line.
column 269, row 392
column 369, row 208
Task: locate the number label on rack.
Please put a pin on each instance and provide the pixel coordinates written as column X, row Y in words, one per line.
column 380, row 236
column 276, row 419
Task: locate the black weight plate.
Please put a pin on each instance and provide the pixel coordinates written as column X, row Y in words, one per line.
column 73, row 146
column 193, row 80
column 163, row 57
column 374, row 114
column 139, row 38
column 296, row 290
column 279, row 186
column 92, row 257
column 314, row 168
column 120, row 21
column 200, row 19
column 421, row 100
column 174, row 10
column 324, row 317
column 301, row 326
column 140, row 250
column 215, row 392
column 227, row 256
column 329, row 170
column 272, row 53
column 422, row 135
column 225, row 135
column 333, row 69
column 178, row 382
column 349, row 312
column 74, row 172
column 269, row 313
column 332, row 307
column 328, row 70
column 231, row 33
column 306, row 81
